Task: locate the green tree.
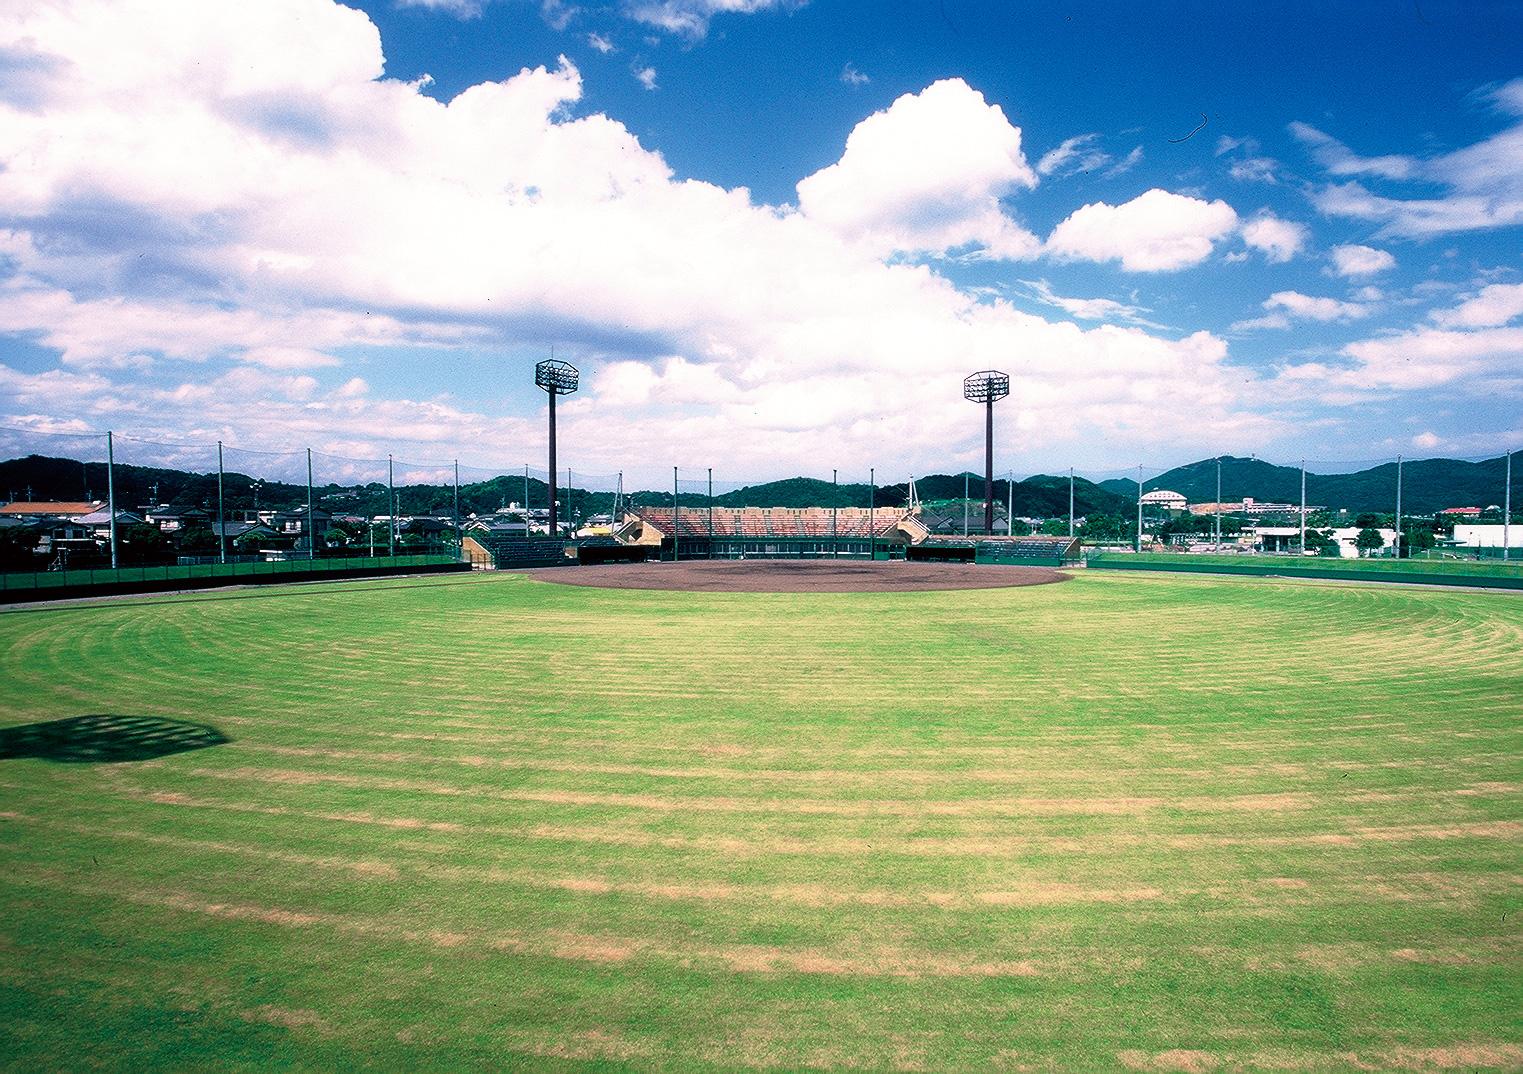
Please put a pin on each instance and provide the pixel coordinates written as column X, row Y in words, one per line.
column 1055, row 527
column 1369, row 540
column 1102, row 527
column 197, row 541
column 142, row 544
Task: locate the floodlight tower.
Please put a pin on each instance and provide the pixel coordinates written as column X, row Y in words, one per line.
column 556, row 378
column 987, row 387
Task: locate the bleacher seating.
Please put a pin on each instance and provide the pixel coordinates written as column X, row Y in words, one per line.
column 510, row 552
column 764, row 522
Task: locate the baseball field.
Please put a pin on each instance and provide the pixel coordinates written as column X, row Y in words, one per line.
column 1123, row 822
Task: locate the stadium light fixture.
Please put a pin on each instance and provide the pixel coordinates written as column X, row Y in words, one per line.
column 987, row 387
column 555, row 378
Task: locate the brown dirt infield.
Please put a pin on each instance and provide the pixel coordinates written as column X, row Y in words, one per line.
column 799, row 576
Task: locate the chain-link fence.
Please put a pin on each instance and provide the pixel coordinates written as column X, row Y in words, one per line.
column 87, row 500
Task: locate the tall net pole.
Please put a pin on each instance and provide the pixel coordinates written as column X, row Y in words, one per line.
column 676, row 525
column 391, row 507
column 111, row 493
column 1139, row 507
column 1218, row 512
column 459, row 542
column 711, row 512
column 872, row 514
column 1398, row 507
column 965, row 502
column 1070, row 503
column 835, row 538
column 221, row 514
column 1507, row 510
column 1302, row 549
column 311, row 516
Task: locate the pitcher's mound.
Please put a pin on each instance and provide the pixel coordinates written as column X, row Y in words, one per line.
column 800, row 576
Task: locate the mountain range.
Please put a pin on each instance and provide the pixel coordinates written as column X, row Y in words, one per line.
column 1428, row 485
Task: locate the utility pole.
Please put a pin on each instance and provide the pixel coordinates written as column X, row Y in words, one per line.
column 1398, row 507
column 221, row 514
column 391, row 507
column 311, row 518
column 111, row 493
column 459, row 542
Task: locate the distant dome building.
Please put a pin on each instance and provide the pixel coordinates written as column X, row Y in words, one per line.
column 1164, row 500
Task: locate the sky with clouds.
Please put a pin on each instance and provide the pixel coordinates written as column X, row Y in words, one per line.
column 773, row 234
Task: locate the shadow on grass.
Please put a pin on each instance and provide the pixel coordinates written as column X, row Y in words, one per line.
column 105, row 738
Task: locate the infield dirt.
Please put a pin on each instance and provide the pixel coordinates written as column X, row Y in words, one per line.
column 800, row 576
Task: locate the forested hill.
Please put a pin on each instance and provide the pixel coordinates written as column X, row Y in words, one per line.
column 43, row 478
column 1428, row 485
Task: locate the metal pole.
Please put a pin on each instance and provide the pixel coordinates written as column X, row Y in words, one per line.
column 1139, row 507
column 391, row 508
column 835, row 540
column 526, row 501
column 711, row 512
column 459, row 542
column 1070, row 503
column 570, row 514
column 989, row 467
column 552, row 463
column 1398, row 507
column 1303, row 507
column 111, row 493
column 1010, row 504
column 311, row 518
column 1218, row 511
column 1507, row 511
column 221, row 514
column 675, row 524
column 872, row 514
column 965, row 503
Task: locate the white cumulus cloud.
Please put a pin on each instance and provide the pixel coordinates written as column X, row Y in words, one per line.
column 1356, row 260
column 1278, row 240
column 1494, row 305
column 1154, row 232
column 926, row 175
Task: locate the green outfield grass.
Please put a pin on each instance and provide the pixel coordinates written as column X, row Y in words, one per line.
column 1128, row 822
column 1480, row 568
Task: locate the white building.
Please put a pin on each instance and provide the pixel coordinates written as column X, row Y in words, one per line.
column 1164, row 499
column 1469, row 535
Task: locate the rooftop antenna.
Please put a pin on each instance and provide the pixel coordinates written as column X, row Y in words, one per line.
column 556, row 378
column 987, row 387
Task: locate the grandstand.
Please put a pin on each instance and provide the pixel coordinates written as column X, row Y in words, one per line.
column 798, row 532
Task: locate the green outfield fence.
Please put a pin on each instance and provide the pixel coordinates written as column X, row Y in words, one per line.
column 1490, row 574
column 42, row 585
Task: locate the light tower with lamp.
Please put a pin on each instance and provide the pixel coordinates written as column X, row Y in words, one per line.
column 987, row 387
column 556, row 378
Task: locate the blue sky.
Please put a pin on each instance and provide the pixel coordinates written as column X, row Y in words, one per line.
column 774, row 235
